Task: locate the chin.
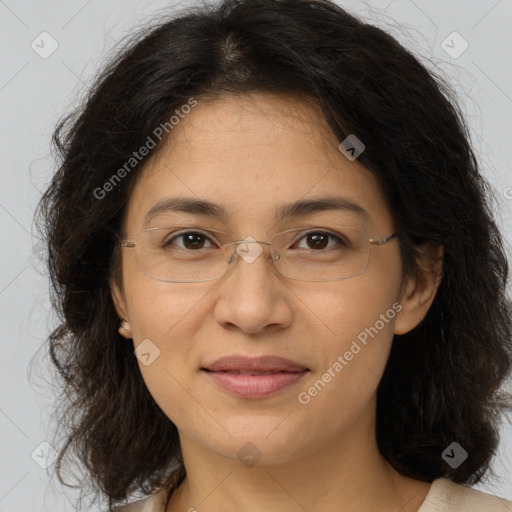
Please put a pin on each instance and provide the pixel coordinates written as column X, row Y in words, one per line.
column 265, row 442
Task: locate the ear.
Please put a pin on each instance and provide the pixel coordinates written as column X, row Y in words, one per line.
column 119, row 300
column 419, row 291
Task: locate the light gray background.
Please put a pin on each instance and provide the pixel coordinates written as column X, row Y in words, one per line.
column 36, row 92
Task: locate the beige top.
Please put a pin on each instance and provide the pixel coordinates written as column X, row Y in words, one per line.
column 443, row 496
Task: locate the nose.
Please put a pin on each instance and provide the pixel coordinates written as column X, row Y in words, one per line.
column 253, row 296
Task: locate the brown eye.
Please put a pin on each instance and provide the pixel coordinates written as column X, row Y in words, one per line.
column 319, row 240
column 191, row 240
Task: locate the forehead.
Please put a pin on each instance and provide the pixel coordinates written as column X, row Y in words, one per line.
column 251, row 154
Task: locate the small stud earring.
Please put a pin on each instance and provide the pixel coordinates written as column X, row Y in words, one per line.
column 124, row 328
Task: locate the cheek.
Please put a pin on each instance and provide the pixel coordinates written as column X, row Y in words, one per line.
column 360, row 337
column 163, row 326
column 353, row 361
column 157, row 309
column 341, row 311
column 353, row 322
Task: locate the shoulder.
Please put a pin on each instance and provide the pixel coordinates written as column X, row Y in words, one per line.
column 154, row 503
column 447, row 496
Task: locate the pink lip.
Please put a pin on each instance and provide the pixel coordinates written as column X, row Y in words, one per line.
column 259, row 377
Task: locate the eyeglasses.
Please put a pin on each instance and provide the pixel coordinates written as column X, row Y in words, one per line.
column 204, row 254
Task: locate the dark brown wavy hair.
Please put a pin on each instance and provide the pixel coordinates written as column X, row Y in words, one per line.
column 442, row 381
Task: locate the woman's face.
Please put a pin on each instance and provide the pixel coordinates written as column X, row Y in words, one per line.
column 251, row 155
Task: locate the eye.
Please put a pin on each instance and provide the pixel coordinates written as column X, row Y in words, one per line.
column 191, row 240
column 319, row 240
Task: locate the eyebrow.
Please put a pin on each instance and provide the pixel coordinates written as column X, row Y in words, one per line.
column 299, row 208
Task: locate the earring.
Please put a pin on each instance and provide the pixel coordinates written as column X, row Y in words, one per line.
column 124, row 328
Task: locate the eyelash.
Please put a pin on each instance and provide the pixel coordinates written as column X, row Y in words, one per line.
column 342, row 241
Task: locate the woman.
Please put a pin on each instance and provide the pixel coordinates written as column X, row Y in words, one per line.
column 281, row 284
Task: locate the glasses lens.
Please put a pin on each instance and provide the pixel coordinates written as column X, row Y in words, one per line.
column 322, row 255
column 181, row 254
column 190, row 254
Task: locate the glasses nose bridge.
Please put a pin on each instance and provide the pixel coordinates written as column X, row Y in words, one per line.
column 252, row 255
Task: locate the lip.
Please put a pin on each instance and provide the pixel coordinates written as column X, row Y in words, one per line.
column 255, row 364
column 258, row 377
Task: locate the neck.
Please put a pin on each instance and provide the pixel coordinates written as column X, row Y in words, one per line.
column 346, row 475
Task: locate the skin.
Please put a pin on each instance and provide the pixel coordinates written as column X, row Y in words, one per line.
column 249, row 154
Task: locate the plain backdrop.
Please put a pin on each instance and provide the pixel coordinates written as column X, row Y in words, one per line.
column 37, row 89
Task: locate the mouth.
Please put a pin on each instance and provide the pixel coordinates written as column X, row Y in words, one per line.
column 251, row 372
column 253, row 378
